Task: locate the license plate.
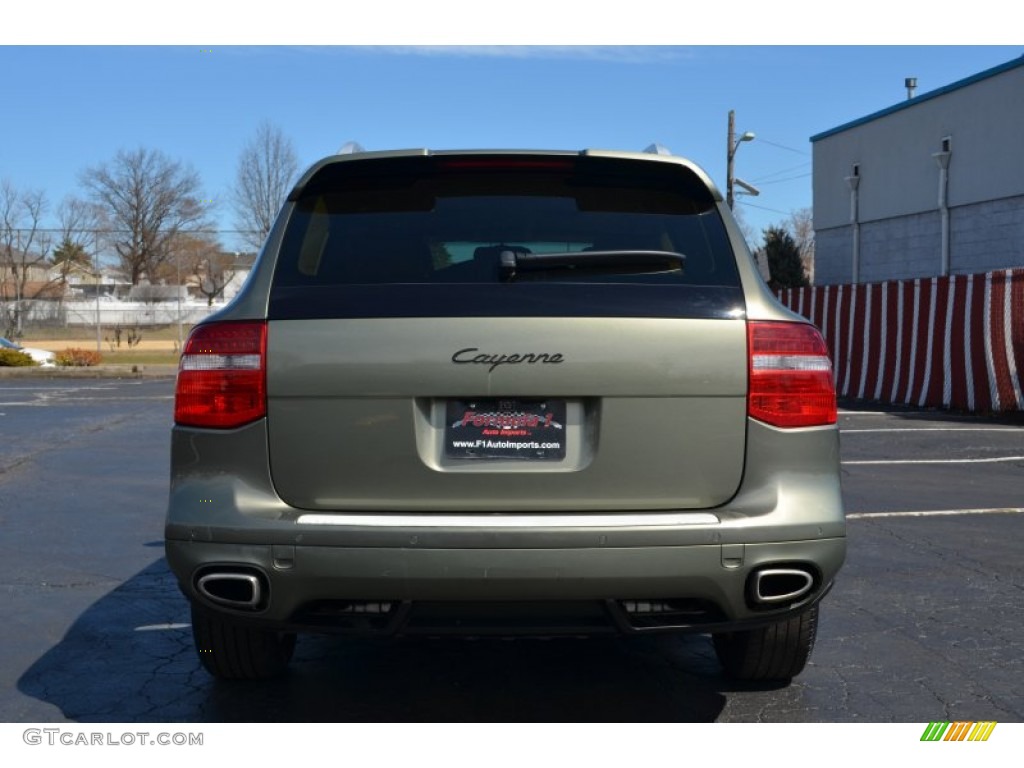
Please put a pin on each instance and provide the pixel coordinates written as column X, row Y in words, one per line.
column 530, row 430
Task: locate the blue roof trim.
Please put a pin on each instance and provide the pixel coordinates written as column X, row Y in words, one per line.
column 1018, row 62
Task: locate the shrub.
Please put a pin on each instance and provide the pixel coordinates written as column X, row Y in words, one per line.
column 12, row 358
column 78, row 357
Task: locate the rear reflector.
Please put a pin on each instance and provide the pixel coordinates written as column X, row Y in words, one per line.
column 222, row 376
column 790, row 376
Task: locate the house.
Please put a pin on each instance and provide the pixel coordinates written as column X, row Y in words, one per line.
column 931, row 186
column 83, row 281
column 26, row 277
column 220, row 277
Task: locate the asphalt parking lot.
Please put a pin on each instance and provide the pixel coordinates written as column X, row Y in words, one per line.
column 925, row 623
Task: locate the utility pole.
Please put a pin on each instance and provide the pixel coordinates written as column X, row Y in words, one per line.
column 730, row 154
column 732, row 144
column 98, row 281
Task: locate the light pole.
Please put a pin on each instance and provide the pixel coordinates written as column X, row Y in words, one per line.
column 98, row 280
column 177, row 262
column 732, row 145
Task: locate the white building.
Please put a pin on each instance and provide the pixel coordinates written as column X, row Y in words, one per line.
column 931, row 186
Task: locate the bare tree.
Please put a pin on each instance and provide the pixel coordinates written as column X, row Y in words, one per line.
column 205, row 264
column 146, row 199
column 801, row 227
column 77, row 220
column 24, row 270
column 267, row 168
column 748, row 233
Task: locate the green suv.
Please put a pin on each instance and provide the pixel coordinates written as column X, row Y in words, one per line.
column 505, row 392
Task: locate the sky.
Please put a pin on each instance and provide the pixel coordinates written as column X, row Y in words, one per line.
column 69, row 106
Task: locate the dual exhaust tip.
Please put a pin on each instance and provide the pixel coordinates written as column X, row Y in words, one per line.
column 774, row 587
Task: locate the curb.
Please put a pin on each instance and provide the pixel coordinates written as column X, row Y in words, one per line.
column 91, row 372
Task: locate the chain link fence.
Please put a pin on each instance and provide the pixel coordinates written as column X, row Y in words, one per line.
column 102, row 322
column 65, row 284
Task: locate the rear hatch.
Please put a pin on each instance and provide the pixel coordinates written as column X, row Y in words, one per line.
column 508, row 332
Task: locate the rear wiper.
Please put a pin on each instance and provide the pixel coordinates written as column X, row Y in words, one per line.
column 622, row 262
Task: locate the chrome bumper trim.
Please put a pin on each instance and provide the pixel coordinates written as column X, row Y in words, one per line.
column 671, row 519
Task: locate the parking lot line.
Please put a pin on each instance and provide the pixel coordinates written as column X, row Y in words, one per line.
column 933, row 429
column 938, row 513
column 994, row 460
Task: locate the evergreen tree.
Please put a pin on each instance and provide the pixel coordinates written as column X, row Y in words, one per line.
column 70, row 252
column 783, row 259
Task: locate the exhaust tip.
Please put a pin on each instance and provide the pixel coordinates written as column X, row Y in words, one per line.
column 774, row 586
column 233, row 589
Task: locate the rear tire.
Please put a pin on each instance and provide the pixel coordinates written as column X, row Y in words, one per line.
column 777, row 652
column 231, row 651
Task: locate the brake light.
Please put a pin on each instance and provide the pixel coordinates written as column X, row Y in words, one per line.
column 790, row 375
column 222, row 376
column 505, row 164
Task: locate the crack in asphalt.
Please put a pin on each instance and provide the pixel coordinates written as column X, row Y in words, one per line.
column 920, row 544
column 38, row 585
column 62, row 442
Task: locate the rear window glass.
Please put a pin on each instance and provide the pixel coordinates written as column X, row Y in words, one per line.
column 449, row 220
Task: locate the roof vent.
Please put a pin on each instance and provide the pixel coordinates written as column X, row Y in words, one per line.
column 910, row 84
column 350, row 148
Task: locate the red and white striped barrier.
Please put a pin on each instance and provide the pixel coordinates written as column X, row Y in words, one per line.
column 943, row 342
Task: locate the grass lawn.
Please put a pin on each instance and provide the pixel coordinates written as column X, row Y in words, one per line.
column 139, row 357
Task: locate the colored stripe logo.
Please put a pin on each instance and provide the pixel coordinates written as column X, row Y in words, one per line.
column 959, row 731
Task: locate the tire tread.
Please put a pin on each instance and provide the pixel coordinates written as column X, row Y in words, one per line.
column 775, row 652
column 231, row 651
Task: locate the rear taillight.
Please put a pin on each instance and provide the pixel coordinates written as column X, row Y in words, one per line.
column 222, row 376
column 790, row 376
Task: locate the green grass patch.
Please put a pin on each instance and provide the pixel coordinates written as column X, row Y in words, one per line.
column 135, row 357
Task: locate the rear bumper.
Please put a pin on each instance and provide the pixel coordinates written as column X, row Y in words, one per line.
column 338, row 573
column 707, row 585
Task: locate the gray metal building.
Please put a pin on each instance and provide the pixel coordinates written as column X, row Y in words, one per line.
column 931, row 186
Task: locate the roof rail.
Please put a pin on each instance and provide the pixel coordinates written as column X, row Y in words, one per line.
column 657, row 149
column 350, row 148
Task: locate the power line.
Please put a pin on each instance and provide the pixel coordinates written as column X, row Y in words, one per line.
column 780, row 172
column 782, row 146
column 764, row 208
column 779, row 181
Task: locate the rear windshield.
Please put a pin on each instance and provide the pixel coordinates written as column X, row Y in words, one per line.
column 451, row 220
